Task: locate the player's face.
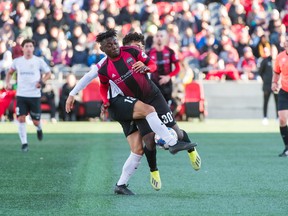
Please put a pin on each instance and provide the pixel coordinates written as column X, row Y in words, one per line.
column 159, row 38
column 137, row 44
column 110, row 46
column 28, row 49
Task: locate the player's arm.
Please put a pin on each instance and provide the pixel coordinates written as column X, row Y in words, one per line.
column 275, row 86
column 45, row 77
column 144, row 64
column 8, row 78
column 81, row 84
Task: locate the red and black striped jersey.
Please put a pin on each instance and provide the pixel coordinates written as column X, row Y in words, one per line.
column 164, row 60
column 119, row 70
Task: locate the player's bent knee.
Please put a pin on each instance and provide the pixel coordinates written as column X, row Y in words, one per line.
column 22, row 118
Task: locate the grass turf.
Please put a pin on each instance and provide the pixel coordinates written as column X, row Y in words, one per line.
column 74, row 169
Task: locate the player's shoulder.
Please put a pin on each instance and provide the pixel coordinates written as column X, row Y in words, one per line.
column 18, row 59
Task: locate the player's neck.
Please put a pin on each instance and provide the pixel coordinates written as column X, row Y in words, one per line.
column 28, row 56
column 159, row 47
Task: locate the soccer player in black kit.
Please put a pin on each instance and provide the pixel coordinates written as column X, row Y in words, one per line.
column 124, row 68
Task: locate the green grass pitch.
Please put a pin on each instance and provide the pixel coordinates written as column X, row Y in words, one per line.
column 74, row 169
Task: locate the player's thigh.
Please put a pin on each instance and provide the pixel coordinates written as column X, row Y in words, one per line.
column 121, row 108
column 22, row 106
column 163, row 110
column 35, row 108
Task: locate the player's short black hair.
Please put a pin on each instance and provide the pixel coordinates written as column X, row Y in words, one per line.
column 104, row 35
column 28, row 40
column 138, row 37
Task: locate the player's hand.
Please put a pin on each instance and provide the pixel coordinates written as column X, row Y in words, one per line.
column 104, row 108
column 164, row 79
column 140, row 67
column 69, row 103
column 40, row 84
column 275, row 87
column 8, row 86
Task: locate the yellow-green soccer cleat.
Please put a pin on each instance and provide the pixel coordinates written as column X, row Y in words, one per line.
column 195, row 159
column 155, row 180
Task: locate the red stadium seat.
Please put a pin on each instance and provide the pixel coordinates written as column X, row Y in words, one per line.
column 194, row 101
column 91, row 99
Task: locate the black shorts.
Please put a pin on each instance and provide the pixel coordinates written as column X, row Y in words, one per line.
column 121, row 109
column 282, row 100
column 30, row 105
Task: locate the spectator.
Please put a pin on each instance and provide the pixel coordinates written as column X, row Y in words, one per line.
column 5, row 18
column 17, row 48
column 58, row 19
column 264, row 42
column 21, row 28
column 7, row 34
column 80, row 51
column 40, row 17
column 5, row 59
column 95, row 55
column 40, row 34
column 48, row 97
column 266, row 71
column 67, row 87
column 43, row 51
column 63, row 54
column 247, row 65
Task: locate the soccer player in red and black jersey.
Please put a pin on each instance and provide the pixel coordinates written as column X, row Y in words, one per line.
column 126, row 69
column 165, row 59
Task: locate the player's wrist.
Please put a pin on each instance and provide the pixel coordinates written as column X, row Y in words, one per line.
column 42, row 83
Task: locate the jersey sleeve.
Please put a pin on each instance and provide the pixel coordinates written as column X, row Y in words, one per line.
column 174, row 58
column 277, row 66
column 44, row 67
column 85, row 80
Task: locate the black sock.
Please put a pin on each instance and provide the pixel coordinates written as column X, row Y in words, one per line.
column 151, row 158
column 186, row 139
column 284, row 134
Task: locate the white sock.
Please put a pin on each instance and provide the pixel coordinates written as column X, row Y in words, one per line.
column 129, row 168
column 22, row 132
column 160, row 128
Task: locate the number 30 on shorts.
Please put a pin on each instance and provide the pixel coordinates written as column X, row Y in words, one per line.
column 168, row 117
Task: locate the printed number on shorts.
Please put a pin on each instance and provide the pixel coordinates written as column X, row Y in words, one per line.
column 168, row 117
column 129, row 99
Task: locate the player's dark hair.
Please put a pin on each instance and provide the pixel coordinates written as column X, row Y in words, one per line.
column 104, row 35
column 138, row 37
column 28, row 40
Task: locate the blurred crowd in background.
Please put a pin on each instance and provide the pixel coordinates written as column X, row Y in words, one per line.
column 208, row 36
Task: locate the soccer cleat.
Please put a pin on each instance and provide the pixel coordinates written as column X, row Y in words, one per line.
column 195, row 159
column 180, row 146
column 40, row 134
column 24, row 147
column 155, row 180
column 123, row 190
column 284, row 153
